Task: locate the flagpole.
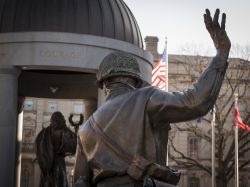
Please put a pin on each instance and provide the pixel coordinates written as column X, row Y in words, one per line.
column 213, row 146
column 166, row 86
column 166, row 52
column 236, row 148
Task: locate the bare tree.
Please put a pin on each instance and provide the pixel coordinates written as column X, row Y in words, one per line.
column 237, row 80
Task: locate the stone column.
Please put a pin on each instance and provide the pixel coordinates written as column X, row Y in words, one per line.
column 18, row 149
column 8, row 125
column 90, row 106
column 152, row 45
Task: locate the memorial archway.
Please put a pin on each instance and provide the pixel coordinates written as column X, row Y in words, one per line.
column 53, row 50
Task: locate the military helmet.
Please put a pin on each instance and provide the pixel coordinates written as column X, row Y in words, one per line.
column 119, row 64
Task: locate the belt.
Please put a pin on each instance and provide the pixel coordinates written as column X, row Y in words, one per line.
column 119, row 181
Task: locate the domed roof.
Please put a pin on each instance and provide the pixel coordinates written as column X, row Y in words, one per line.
column 107, row 18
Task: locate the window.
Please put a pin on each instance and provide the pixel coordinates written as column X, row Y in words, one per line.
column 193, row 144
column 78, row 108
column 28, row 105
column 27, row 135
column 52, row 106
column 193, row 182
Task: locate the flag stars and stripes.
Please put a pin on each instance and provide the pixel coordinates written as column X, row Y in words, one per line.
column 159, row 72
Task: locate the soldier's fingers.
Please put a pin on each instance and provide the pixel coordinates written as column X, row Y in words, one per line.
column 208, row 17
column 207, row 12
column 216, row 18
column 208, row 23
column 223, row 21
column 216, row 15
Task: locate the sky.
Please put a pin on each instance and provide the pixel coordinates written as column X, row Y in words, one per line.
column 181, row 21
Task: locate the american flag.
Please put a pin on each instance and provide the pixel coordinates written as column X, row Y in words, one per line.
column 159, row 72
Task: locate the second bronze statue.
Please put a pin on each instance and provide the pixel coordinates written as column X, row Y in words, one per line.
column 52, row 145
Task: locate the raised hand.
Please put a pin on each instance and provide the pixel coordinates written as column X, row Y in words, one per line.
column 217, row 31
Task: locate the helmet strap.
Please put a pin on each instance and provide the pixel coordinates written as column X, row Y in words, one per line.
column 120, row 83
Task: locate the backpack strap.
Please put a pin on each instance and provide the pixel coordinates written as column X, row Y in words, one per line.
column 117, row 149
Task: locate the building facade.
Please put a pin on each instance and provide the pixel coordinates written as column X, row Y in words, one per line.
column 190, row 142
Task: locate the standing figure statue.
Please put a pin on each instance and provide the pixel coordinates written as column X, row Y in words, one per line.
column 52, row 145
column 123, row 143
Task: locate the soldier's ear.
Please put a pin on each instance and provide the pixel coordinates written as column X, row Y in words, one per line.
column 99, row 84
column 105, row 88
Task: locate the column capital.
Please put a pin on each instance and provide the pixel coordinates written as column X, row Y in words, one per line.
column 10, row 71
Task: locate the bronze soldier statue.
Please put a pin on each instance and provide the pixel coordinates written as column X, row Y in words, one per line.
column 52, row 145
column 122, row 144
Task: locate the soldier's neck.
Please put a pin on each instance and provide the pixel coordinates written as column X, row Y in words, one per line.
column 118, row 88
